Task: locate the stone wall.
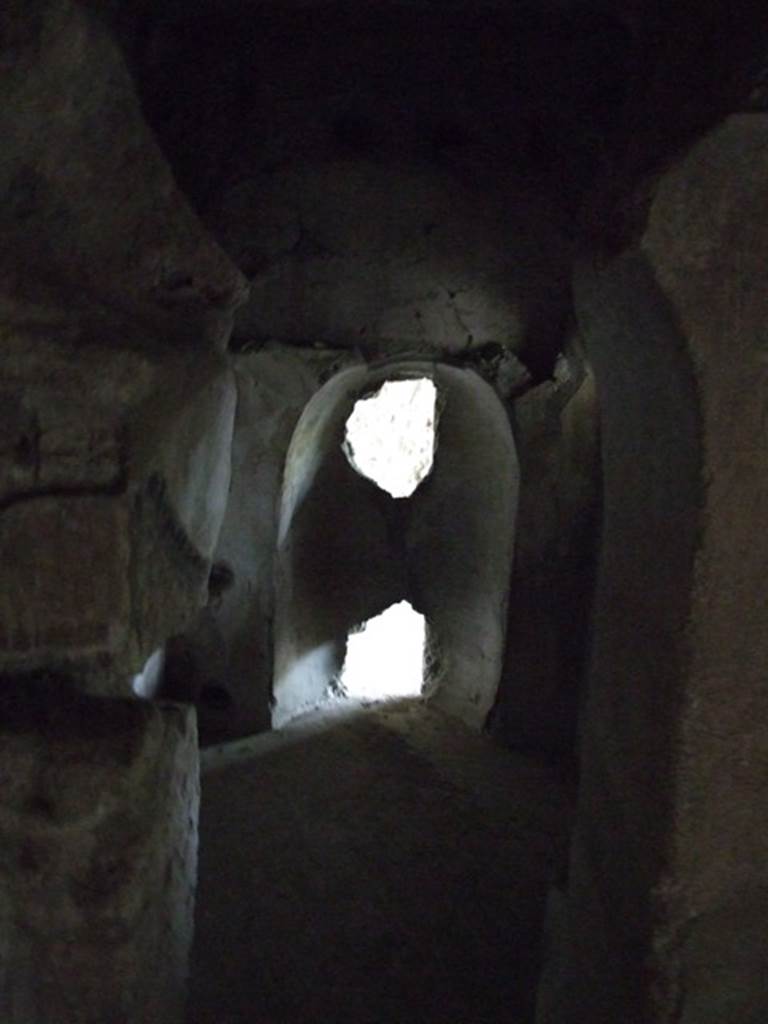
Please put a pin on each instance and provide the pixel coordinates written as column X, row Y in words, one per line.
column 98, row 833
column 707, row 242
column 97, row 241
column 651, row 501
column 433, row 202
column 129, row 472
column 346, row 550
column 114, row 443
column 390, row 257
column 459, row 538
column 116, row 417
column 223, row 661
column 668, row 867
column 556, row 432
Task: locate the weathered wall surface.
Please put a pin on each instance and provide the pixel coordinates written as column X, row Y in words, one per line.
column 389, row 257
column 346, row 550
column 231, row 644
column 337, row 562
column 668, row 869
column 708, row 243
column 116, row 416
column 551, row 587
column 459, row 538
column 651, row 500
column 95, row 232
column 113, row 450
column 128, row 471
column 98, row 841
column 396, row 183
column 228, row 646
column 364, row 171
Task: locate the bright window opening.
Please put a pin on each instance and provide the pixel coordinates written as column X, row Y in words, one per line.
column 390, row 437
column 386, row 657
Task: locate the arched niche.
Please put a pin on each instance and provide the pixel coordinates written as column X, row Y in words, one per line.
column 346, row 550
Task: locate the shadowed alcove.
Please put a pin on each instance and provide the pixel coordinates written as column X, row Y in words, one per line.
column 224, row 226
column 347, row 551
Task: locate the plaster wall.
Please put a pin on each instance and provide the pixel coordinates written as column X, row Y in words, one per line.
column 190, row 445
column 233, row 647
column 336, row 565
column 346, row 550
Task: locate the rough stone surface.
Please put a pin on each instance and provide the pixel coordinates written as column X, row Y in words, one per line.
column 95, row 233
column 459, row 538
column 389, row 258
column 62, row 424
column 230, row 645
column 129, row 472
column 651, row 500
column 53, row 604
column 391, row 180
column 385, row 178
column 347, row 550
column 98, row 834
column 557, row 110
column 183, row 437
column 169, row 575
column 707, row 241
column 103, row 268
column 53, row 445
column 338, row 561
column 369, row 866
column 551, row 587
column 668, row 869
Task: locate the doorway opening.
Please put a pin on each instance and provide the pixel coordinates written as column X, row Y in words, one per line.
column 385, row 656
column 390, row 436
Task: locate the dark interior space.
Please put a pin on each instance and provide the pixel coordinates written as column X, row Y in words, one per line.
column 224, row 224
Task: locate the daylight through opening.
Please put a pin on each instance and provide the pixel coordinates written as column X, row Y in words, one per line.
column 390, row 437
column 385, row 658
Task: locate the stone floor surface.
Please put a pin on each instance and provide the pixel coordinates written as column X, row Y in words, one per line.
column 373, row 865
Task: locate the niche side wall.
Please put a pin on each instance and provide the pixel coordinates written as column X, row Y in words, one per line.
column 460, row 538
column 231, row 643
column 335, row 564
column 346, row 550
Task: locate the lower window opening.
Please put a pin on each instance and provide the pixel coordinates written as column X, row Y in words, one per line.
column 385, row 656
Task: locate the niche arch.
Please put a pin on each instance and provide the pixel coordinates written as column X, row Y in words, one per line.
column 346, row 550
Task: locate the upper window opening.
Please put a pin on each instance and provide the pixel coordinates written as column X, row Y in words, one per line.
column 390, row 437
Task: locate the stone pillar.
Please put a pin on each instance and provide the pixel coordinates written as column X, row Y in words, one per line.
column 669, row 877
column 708, row 241
column 98, row 852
